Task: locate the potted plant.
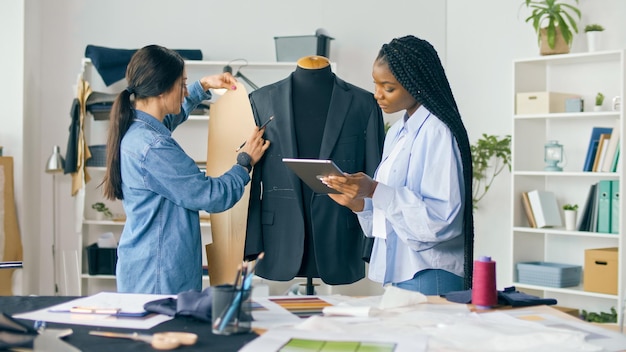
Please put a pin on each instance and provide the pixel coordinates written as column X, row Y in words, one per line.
column 599, row 102
column 555, row 23
column 592, row 31
column 490, row 155
column 570, row 211
column 102, row 210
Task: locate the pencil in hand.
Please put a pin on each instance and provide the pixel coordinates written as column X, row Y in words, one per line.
column 260, row 128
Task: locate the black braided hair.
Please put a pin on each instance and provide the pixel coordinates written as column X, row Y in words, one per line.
column 415, row 64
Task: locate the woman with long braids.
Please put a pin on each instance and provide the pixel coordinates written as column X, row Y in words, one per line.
column 419, row 204
column 161, row 188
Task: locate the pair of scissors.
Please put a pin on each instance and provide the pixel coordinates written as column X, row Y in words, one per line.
column 159, row 341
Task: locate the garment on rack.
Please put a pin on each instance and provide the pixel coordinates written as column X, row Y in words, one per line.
column 111, row 63
column 293, row 226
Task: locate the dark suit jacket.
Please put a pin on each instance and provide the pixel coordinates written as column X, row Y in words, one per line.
column 353, row 139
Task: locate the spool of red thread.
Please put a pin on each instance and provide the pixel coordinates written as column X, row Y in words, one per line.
column 484, row 292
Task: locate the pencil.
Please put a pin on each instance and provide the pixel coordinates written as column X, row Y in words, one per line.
column 260, row 128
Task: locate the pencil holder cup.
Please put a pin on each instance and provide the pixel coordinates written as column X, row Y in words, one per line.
column 231, row 310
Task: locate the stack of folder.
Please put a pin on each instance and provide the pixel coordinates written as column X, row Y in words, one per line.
column 601, row 211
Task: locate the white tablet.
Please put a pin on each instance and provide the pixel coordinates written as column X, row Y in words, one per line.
column 311, row 170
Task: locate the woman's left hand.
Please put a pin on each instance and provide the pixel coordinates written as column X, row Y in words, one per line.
column 354, row 186
column 222, row 80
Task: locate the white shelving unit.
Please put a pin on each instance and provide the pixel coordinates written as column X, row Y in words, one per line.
column 192, row 136
column 584, row 74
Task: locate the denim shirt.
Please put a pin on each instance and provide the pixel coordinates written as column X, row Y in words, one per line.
column 160, row 250
column 422, row 203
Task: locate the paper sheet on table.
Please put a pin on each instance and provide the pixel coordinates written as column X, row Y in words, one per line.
column 126, row 302
column 275, row 339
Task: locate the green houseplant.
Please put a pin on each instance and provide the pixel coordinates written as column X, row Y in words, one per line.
column 570, row 207
column 490, row 156
column 599, row 101
column 593, row 28
column 103, row 209
column 593, row 33
column 555, row 22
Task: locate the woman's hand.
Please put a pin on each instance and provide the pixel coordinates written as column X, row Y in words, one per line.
column 223, row 80
column 352, row 204
column 255, row 145
column 354, row 186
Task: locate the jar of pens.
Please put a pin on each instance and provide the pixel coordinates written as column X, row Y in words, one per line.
column 231, row 311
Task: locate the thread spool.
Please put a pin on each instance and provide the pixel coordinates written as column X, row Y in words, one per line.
column 484, row 292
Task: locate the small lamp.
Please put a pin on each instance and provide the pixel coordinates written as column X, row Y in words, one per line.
column 54, row 166
column 553, row 155
column 55, row 162
column 238, row 74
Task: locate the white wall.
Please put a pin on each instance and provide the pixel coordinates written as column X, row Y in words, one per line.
column 476, row 41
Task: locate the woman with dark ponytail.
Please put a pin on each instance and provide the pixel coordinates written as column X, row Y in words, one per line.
column 161, row 187
column 419, row 204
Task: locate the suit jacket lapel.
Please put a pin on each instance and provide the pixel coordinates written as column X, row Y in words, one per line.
column 283, row 116
column 337, row 112
column 280, row 98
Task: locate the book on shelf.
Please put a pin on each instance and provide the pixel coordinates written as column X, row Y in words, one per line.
column 612, row 149
column 528, row 210
column 616, row 161
column 603, row 144
column 584, row 223
column 545, row 208
column 592, row 148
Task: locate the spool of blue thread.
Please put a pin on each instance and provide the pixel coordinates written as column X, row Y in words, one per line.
column 484, row 292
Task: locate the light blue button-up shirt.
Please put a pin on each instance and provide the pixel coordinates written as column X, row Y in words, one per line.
column 160, row 247
column 422, row 201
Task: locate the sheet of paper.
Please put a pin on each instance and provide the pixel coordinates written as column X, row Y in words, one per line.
column 275, row 339
column 126, row 302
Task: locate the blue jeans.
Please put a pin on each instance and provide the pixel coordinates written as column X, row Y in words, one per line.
column 432, row 282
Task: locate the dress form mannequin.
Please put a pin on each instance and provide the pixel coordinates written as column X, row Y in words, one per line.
column 312, row 83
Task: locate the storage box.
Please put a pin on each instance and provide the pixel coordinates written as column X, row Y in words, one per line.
column 98, row 156
column 541, row 102
column 101, row 261
column 292, row 48
column 548, row 274
column 601, row 270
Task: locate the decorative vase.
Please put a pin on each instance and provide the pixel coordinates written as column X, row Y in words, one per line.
column 593, row 40
column 560, row 45
column 570, row 219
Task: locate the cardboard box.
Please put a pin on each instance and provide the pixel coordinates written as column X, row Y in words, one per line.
column 541, row 102
column 600, row 273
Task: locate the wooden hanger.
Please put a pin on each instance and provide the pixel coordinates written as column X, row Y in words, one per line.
column 313, row 62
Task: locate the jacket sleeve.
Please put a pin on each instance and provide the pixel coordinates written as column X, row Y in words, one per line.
column 254, row 239
column 374, row 139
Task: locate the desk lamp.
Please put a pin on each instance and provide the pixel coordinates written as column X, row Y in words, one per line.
column 54, row 166
column 238, row 74
column 553, row 154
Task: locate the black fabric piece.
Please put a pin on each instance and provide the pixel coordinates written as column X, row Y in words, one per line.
column 195, row 304
column 521, row 299
column 111, row 63
column 189, row 303
column 165, row 306
column 509, row 297
column 71, row 153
